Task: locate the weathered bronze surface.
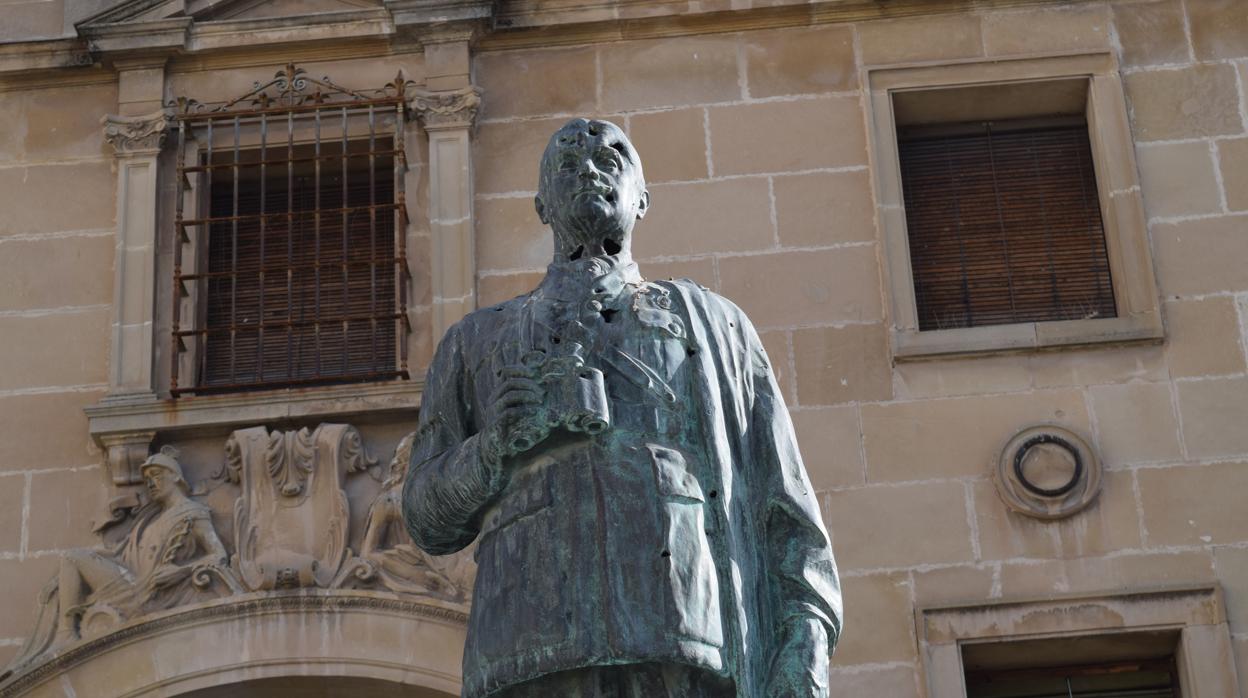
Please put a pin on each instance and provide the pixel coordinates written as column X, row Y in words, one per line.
column 621, row 451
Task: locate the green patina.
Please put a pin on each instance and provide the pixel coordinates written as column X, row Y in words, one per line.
column 620, row 452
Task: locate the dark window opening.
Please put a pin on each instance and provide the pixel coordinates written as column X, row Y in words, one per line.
column 1004, row 223
column 1134, row 665
column 310, row 294
column 290, row 263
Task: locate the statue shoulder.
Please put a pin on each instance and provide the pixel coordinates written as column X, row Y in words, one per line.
column 706, row 302
column 483, row 321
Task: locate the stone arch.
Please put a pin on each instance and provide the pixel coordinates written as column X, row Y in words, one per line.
column 402, row 647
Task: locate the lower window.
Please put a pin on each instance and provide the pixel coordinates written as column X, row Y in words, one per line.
column 1137, row 665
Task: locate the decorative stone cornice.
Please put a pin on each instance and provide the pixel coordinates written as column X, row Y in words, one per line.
column 136, row 135
column 447, row 109
column 125, row 453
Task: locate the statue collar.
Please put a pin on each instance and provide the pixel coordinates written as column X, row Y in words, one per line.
column 601, row 277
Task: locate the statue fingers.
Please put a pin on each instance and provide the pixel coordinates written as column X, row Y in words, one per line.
column 512, row 384
column 518, row 398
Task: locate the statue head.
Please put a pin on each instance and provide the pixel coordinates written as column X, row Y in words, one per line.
column 591, row 190
column 163, row 474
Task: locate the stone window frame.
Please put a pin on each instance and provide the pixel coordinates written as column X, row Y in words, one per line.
column 137, row 409
column 1204, row 653
column 1122, row 209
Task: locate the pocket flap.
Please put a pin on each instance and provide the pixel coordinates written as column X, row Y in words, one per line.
column 672, row 474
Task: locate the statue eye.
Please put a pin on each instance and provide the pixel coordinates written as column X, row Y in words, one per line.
column 607, row 159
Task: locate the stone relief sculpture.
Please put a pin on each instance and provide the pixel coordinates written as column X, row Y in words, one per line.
column 292, row 520
column 290, row 523
column 620, row 452
column 170, row 556
column 389, row 559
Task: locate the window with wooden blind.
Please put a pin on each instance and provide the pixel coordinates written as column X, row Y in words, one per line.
column 1115, row 665
column 1132, row 679
column 1004, row 223
column 1010, row 206
column 291, row 266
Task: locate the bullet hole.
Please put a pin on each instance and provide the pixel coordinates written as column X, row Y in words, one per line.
column 576, row 254
column 610, row 197
column 691, row 351
column 555, row 339
column 665, row 553
column 732, row 324
column 499, row 309
column 714, row 494
column 607, row 314
column 600, row 289
column 611, row 246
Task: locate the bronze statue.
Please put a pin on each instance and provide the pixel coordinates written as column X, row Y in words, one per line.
column 621, row 452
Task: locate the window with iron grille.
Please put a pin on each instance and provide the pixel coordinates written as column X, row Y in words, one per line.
column 1004, row 223
column 290, row 266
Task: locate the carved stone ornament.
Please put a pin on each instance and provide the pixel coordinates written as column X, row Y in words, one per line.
column 388, row 558
column 136, row 135
column 290, row 523
column 170, row 556
column 126, row 453
column 447, row 109
column 291, row 530
column 1048, row 472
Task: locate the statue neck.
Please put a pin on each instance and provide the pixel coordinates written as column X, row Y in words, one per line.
column 581, row 277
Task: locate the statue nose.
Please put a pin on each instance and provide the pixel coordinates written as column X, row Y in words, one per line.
column 588, row 171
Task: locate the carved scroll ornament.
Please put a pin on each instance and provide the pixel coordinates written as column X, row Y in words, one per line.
column 136, row 135
column 447, row 109
column 290, row 523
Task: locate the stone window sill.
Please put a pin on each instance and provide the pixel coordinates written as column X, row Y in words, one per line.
column 913, row 345
column 126, row 426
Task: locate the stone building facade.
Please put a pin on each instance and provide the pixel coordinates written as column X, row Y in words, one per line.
column 769, row 131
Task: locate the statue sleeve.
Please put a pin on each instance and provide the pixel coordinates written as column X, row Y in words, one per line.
column 801, row 570
column 449, row 483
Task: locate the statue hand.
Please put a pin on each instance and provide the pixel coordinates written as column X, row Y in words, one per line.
column 799, row 667
column 516, row 421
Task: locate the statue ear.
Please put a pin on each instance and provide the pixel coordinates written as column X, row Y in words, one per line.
column 541, row 209
column 643, row 204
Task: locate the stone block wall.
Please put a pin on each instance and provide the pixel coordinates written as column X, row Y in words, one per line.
column 56, row 288
column 755, row 148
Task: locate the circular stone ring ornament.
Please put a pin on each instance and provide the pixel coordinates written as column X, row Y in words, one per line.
column 1048, row 472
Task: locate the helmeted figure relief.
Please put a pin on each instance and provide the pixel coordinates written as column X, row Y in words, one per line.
column 170, row 556
column 387, row 555
column 620, row 452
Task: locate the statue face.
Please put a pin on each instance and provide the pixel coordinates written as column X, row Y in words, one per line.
column 161, row 484
column 592, row 190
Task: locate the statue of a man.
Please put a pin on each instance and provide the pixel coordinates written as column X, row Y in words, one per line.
column 621, row 450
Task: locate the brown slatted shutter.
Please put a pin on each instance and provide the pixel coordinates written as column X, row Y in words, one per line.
column 326, row 312
column 1004, row 226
